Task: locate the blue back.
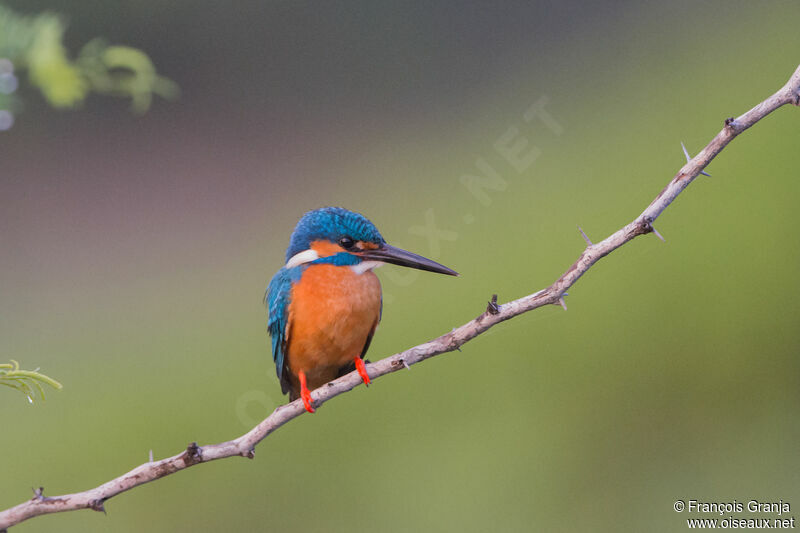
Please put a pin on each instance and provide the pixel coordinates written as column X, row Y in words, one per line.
column 277, row 298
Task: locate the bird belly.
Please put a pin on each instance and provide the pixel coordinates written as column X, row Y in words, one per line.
column 332, row 313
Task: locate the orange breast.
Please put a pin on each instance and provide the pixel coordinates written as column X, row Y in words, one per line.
column 332, row 312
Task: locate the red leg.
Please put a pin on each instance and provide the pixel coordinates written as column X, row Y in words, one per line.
column 305, row 394
column 362, row 370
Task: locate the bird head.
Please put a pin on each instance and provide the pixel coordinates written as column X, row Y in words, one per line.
column 338, row 236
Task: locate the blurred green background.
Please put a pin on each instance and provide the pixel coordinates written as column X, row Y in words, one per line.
column 135, row 251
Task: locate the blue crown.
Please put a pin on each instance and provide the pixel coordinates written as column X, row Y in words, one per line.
column 331, row 224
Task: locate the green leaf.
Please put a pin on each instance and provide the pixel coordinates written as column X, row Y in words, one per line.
column 24, row 381
column 36, row 43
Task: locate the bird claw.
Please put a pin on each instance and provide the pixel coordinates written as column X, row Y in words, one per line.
column 362, row 370
column 305, row 394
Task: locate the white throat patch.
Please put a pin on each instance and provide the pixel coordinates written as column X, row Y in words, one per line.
column 366, row 266
column 306, row 256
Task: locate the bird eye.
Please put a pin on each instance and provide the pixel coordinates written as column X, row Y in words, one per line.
column 346, row 243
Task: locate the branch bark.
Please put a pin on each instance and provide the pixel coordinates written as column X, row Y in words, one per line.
column 495, row 313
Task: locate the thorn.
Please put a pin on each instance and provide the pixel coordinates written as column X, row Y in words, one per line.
column 585, row 237
column 729, row 121
column 689, row 158
column 657, row 234
column 492, row 308
column 151, row 456
column 562, row 302
column 250, row 454
column 38, row 494
column 97, row 505
column 405, row 364
column 686, row 152
column 458, row 348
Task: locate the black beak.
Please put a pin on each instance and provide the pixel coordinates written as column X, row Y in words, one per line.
column 397, row 256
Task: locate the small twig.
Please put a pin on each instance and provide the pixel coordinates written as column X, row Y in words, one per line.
column 492, row 308
column 244, row 445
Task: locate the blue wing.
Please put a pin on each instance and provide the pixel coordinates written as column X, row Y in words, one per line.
column 277, row 299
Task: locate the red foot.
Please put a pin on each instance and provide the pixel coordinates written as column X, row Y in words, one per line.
column 305, row 394
column 362, row 370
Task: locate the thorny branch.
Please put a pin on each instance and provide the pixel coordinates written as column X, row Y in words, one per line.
column 495, row 313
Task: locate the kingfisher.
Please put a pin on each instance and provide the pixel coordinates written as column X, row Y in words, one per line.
column 325, row 303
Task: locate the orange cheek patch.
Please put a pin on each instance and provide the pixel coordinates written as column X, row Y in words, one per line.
column 368, row 245
column 326, row 248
